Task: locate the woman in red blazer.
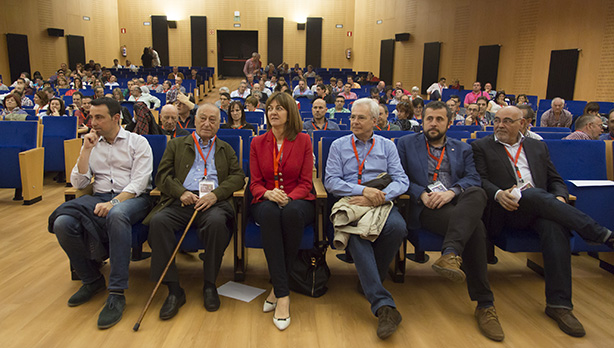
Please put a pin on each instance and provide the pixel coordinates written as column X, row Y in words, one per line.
column 281, row 164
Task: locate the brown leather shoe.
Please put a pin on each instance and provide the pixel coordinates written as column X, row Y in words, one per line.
column 448, row 266
column 388, row 320
column 568, row 323
column 488, row 322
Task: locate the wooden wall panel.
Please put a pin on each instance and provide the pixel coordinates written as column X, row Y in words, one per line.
column 528, row 30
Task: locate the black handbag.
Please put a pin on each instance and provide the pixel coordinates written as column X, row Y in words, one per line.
column 310, row 272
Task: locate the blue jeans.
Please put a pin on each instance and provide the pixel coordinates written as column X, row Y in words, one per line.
column 119, row 221
column 372, row 259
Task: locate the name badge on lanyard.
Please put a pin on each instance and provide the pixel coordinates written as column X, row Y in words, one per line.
column 204, row 185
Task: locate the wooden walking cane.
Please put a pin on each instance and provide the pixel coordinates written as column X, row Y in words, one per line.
column 170, row 261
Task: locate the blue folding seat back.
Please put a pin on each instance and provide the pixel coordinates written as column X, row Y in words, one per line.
column 459, row 134
column 514, row 241
column 15, row 137
column 553, row 135
column 246, row 135
column 576, row 107
column 319, row 134
column 482, row 134
column 56, row 130
column 550, row 129
column 424, row 240
column 470, row 129
column 392, row 134
column 130, row 106
column 157, row 142
column 578, row 159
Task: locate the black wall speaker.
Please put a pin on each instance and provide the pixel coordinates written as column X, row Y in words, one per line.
column 402, row 37
column 55, row 32
column 172, row 24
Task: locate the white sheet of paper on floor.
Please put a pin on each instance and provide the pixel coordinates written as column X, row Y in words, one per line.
column 239, row 291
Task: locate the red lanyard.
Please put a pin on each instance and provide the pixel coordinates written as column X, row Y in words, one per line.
column 515, row 160
column 201, row 151
column 315, row 127
column 175, row 132
column 186, row 122
column 361, row 165
column 381, row 129
column 277, row 161
column 439, row 160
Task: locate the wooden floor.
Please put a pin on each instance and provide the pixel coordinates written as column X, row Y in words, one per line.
column 35, row 285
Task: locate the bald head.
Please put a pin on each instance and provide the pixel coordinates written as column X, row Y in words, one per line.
column 168, row 116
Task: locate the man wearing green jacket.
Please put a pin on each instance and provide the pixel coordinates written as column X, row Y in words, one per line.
column 197, row 172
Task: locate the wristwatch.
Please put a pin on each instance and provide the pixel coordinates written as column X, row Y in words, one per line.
column 114, row 202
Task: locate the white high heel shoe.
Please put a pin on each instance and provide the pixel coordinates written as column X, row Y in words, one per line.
column 268, row 306
column 281, row 324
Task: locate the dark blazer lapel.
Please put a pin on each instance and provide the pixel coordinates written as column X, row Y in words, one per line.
column 452, row 154
column 502, row 154
column 422, row 154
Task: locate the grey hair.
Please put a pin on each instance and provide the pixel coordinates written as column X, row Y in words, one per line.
column 552, row 102
column 224, row 89
column 415, row 89
column 371, row 104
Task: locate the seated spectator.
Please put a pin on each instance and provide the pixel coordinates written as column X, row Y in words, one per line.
column 347, row 92
column 398, row 95
column 381, row 86
column 281, row 163
column 242, row 91
column 418, row 105
column 415, row 93
column 3, row 87
column 63, row 83
column 592, row 108
column 270, row 71
column 283, row 69
column 116, row 64
column 98, row 92
column 299, row 75
column 175, row 74
column 372, row 78
column 435, row 91
column 496, row 103
column 588, row 127
column 21, row 88
column 488, row 89
column 194, row 76
column 556, row 116
column 56, row 108
column 455, row 85
column 475, row 93
column 350, row 81
column 529, row 115
column 136, row 95
column 41, row 102
column 154, row 85
column 310, row 72
column 451, row 104
column 485, row 117
column 224, row 101
column 301, row 89
column 506, row 162
column 339, row 107
column 112, row 83
column 338, row 88
column 236, row 118
column 389, row 95
column 12, row 108
column 168, row 119
column 472, row 117
column 404, row 112
column 318, row 80
column 250, row 81
column 259, row 93
column 252, row 103
column 187, row 109
column 610, row 134
column 382, row 120
column 522, row 99
column 177, row 88
column 348, row 173
column 322, row 92
column 271, row 83
column 144, row 121
column 319, row 121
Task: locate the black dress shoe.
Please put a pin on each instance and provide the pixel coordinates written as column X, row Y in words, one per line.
column 212, row 300
column 171, row 305
column 86, row 292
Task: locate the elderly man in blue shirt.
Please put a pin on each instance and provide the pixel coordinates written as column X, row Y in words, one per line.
column 356, row 159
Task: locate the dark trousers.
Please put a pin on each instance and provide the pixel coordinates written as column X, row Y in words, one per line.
column 281, row 231
column 460, row 222
column 214, row 231
column 552, row 220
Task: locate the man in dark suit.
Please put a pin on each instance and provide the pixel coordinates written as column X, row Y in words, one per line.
column 525, row 191
column 197, row 172
column 447, row 199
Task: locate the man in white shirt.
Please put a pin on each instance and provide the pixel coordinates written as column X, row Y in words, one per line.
column 112, row 83
column 94, row 227
column 436, row 87
column 137, row 95
column 242, row 92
